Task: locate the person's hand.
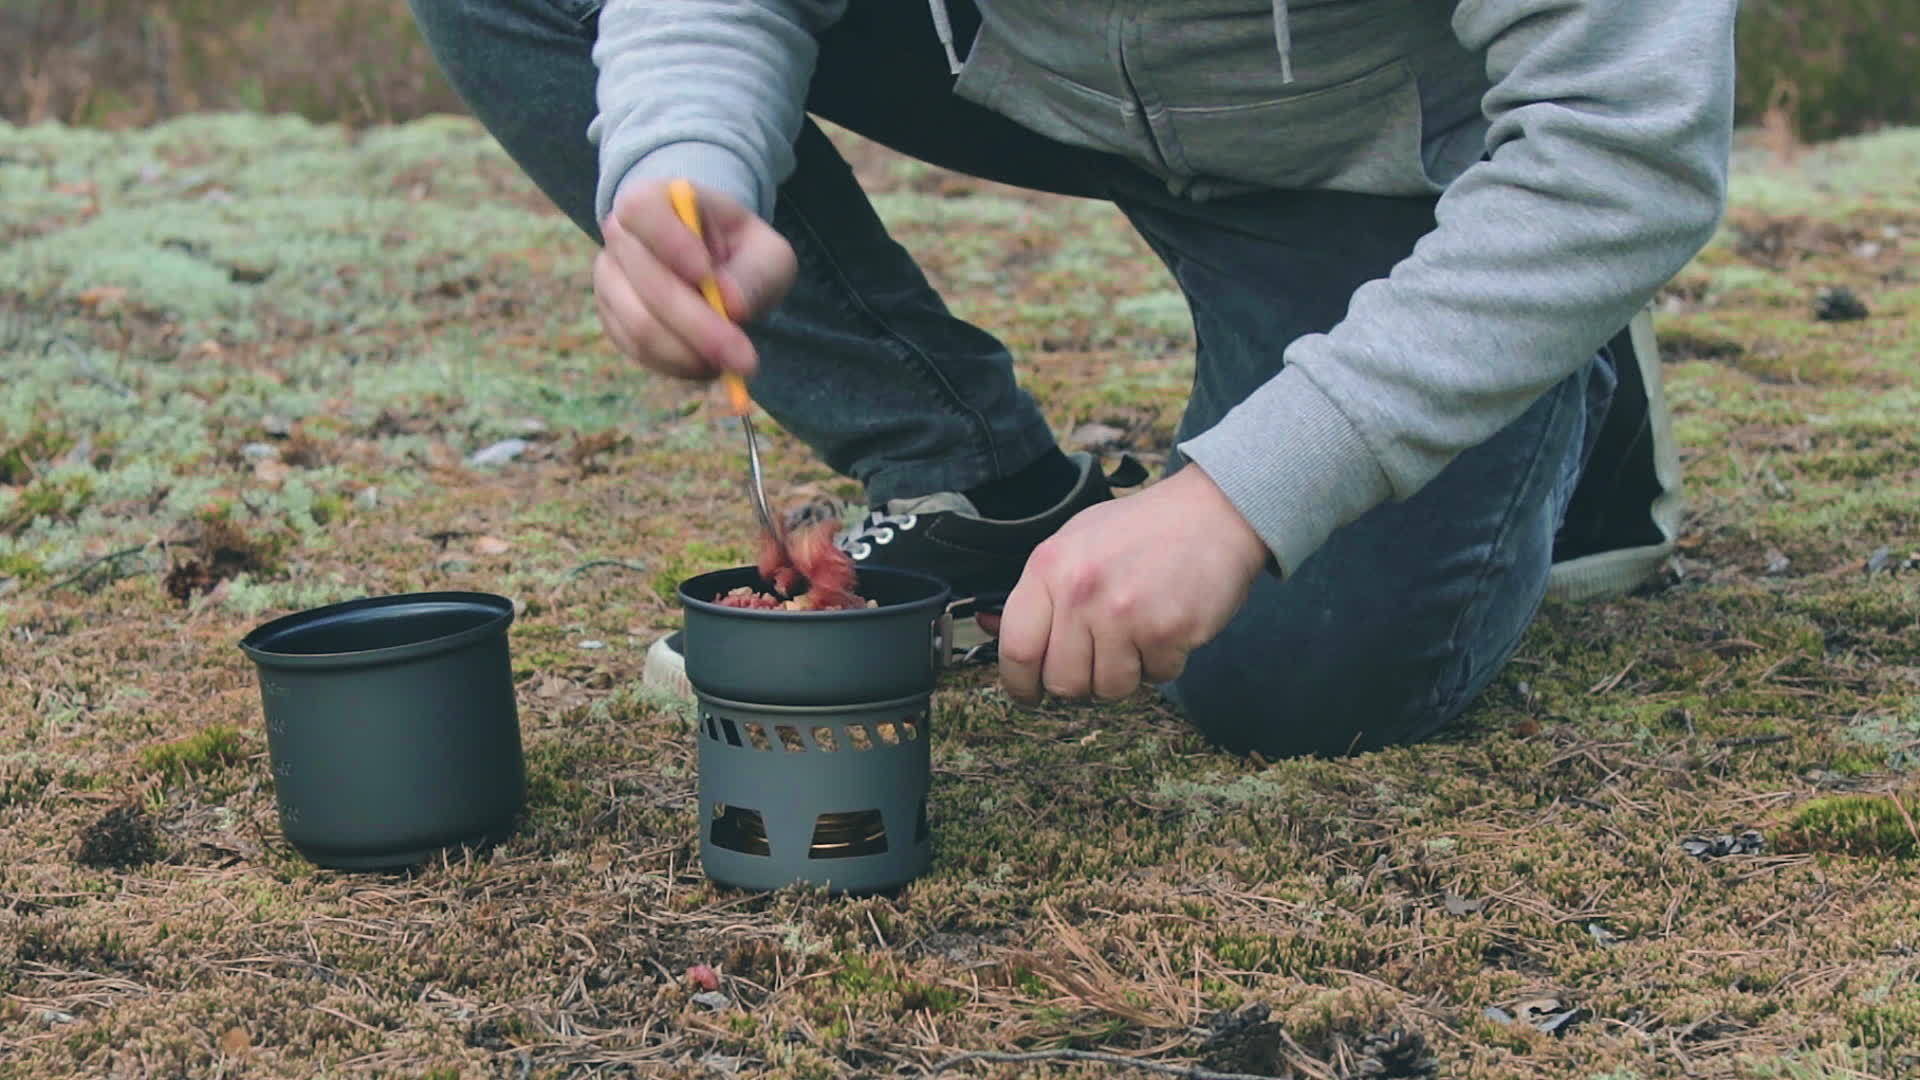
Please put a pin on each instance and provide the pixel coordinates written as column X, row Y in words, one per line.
column 1126, row 590
column 646, row 281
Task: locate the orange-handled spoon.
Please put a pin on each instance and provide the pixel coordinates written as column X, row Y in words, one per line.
column 685, row 205
column 680, row 192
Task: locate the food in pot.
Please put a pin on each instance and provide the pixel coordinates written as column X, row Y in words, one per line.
column 820, row 576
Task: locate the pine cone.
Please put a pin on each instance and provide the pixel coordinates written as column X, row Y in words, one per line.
column 1395, row 1055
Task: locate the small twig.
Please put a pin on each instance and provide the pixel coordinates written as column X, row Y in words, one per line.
column 1613, row 680
column 597, row 563
column 1189, row 1072
column 93, row 564
column 1751, row 740
column 1912, row 830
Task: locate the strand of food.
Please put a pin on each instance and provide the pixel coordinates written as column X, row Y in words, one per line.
column 819, row 576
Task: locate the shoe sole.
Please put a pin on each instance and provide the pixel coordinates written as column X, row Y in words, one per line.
column 666, row 671
column 1608, row 573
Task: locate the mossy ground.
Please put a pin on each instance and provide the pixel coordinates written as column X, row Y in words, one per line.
column 246, row 361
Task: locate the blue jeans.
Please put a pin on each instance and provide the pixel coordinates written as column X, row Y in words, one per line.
column 1384, row 636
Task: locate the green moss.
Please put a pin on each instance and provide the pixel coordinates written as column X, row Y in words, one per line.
column 925, row 997
column 53, row 498
column 1307, row 957
column 21, row 458
column 20, row 564
column 1864, row 825
column 858, row 976
column 207, row 751
column 1890, row 1022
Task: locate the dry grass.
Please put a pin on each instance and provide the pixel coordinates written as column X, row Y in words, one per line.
column 292, row 364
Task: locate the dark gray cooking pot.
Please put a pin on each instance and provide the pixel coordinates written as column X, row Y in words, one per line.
column 392, row 726
column 848, row 657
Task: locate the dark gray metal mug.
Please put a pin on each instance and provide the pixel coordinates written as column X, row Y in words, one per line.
column 392, row 727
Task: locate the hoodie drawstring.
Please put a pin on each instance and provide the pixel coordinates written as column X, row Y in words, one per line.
column 944, row 27
column 1282, row 36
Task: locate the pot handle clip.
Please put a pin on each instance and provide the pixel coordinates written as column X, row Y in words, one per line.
column 942, row 641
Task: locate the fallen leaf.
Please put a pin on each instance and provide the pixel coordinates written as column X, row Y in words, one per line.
column 1558, row 1022
column 236, row 1040
column 1547, row 1014
column 1750, row 842
column 491, row 545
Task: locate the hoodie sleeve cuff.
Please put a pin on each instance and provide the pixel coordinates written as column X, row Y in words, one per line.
column 704, row 164
column 1293, row 465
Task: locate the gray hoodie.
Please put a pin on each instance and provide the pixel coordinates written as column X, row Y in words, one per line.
column 1578, row 148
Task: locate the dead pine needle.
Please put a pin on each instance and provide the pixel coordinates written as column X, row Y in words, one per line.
column 1912, row 829
column 996, row 1057
column 111, row 561
column 598, row 564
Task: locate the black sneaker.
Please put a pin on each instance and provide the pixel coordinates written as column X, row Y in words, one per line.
column 979, row 558
column 1624, row 518
column 943, row 534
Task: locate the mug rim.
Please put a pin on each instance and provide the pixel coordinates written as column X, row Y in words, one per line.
column 500, row 609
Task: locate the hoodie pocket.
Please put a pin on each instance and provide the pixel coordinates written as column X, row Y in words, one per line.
column 1362, row 135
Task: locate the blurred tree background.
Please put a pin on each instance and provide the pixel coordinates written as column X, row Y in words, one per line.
column 1808, row 70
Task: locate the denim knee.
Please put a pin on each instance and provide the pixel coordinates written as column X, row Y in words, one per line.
column 1365, row 693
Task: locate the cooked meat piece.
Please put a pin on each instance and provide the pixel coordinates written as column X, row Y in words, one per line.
column 820, row 576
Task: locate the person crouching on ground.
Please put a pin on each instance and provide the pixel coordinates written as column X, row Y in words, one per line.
column 1407, row 233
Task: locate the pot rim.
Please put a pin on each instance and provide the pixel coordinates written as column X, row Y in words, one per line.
column 936, row 601
column 500, row 606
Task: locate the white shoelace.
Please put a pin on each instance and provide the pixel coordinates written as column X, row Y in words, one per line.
column 879, row 527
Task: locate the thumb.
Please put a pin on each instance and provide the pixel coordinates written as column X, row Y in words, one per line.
column 757, row 271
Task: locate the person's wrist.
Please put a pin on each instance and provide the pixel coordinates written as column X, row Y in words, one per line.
column 1243, row 545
